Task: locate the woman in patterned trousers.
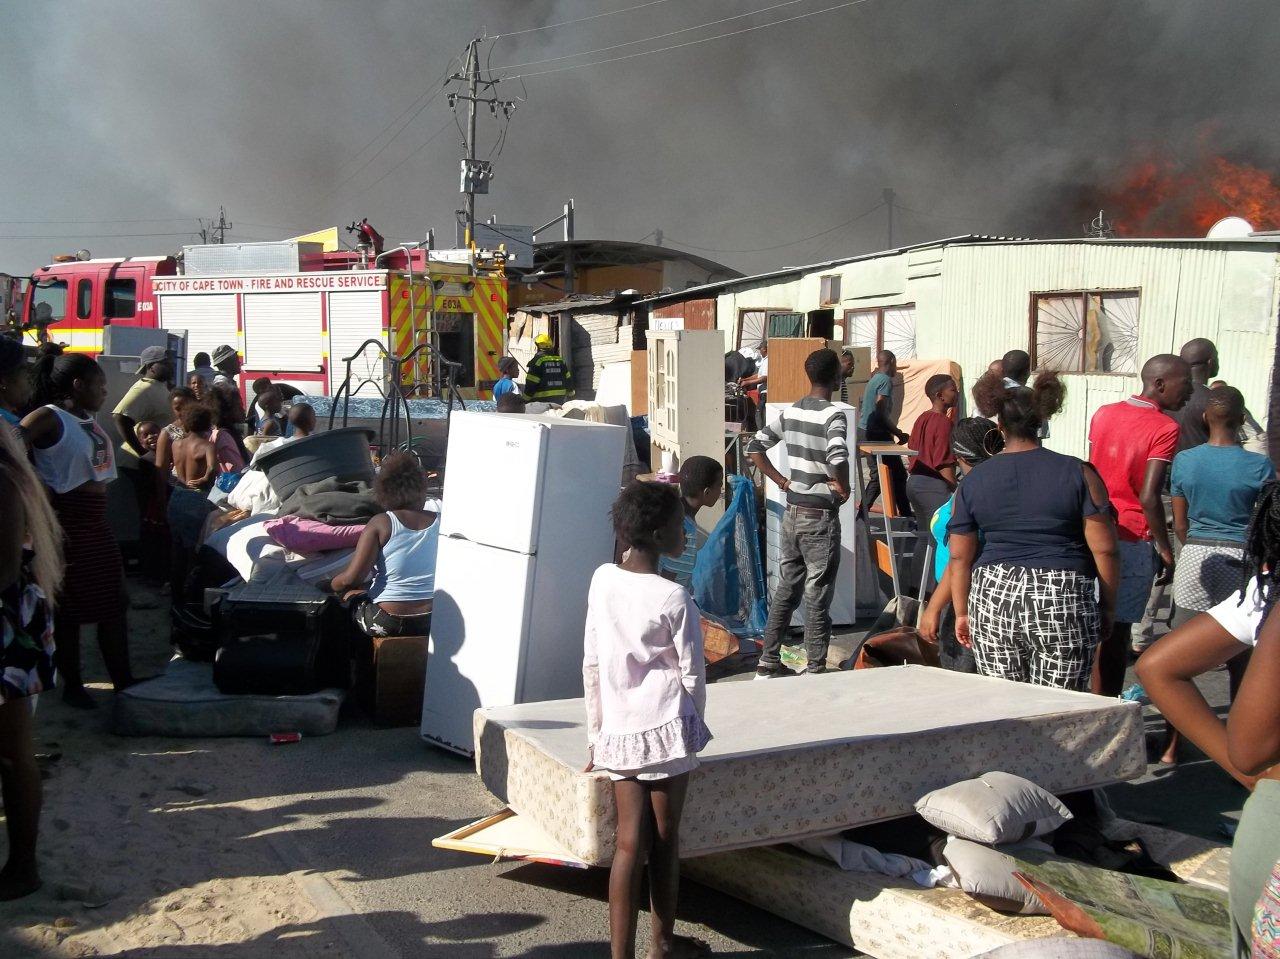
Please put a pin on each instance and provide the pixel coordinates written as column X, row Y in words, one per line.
column 1028, row 602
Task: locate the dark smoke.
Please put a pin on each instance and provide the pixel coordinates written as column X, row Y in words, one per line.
column 999, row 116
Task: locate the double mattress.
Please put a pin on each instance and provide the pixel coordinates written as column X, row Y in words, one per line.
column 803, row 757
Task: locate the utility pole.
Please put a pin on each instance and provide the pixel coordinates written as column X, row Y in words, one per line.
column 476, row 173
column 889, row 197
column 473, row 78
column 218, row 230
column 657, row 237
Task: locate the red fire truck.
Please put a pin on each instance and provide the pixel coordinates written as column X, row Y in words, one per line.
column 293, row 311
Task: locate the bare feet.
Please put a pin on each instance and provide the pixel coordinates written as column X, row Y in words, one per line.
column 78, row 697
column 680, row 947
column 16, row 883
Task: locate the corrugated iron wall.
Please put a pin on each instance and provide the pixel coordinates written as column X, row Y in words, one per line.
column 973, row 303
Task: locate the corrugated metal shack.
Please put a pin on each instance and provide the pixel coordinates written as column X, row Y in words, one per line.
column 1094, row 309
column 591, row 331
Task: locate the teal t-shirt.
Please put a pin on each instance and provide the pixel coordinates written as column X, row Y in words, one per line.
column 1220, row 485
column 682, row 568
column 880, row 384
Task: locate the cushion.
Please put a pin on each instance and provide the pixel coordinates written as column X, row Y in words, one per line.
column 995, row 808
column 986, row 874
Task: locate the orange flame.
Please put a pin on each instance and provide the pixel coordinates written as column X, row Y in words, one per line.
column 1158, row 199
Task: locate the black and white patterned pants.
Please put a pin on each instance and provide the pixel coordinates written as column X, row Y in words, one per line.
column 1038, row 626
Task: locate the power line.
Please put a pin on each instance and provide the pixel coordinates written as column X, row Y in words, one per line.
column 594, row 16
column 940, row 216
column 779, row 246
column 86, row 236
column 661, row 36
column 153, row 219
column 414, row 152
column 690, row 43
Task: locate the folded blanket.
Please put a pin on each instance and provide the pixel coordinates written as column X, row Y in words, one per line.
column 333, row 502
column 310, row 536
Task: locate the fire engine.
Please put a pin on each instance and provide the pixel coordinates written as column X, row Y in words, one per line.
column 294, row 311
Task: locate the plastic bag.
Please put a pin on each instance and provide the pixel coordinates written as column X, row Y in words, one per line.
column 728, row 577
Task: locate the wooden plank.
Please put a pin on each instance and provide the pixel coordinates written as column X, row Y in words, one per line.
column 787, row 379
column 639, row 382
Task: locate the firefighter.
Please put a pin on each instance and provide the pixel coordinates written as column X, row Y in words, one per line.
column 548, row 378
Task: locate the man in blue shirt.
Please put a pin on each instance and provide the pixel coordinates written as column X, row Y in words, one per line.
column 508, row 367
column 875, row 422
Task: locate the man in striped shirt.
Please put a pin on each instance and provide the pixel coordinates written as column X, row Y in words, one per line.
column 814, row 430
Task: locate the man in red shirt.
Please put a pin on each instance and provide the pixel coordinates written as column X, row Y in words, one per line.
column 1131, row 445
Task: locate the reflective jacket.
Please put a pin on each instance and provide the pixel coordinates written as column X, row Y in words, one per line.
column 548, row 379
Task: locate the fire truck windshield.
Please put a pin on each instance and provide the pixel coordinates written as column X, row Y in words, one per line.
column 48, row 302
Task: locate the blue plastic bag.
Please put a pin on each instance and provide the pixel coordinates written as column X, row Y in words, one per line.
column 728, row 577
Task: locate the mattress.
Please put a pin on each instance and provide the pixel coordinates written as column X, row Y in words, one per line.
column 895, row 919
column 814, row 755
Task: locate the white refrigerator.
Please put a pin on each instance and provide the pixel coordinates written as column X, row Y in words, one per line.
column 525, row 525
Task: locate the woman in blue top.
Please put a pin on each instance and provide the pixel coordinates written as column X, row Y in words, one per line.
column 974, row 440
column 508, row 367
column 1214, row 487
column 1027, row 605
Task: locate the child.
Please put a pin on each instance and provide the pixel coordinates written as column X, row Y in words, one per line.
column 701, row 484
column 645, row 683
column 509, row 368
column 148, row 433
column 195, row 464
column 395, row 558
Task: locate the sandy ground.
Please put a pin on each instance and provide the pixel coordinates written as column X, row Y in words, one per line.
column 236, row 848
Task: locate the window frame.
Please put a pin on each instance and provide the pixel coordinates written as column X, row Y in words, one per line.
column 108, row 299
column 84, row 298
column 880, row 312
column 766, row 310
column 1033, row 300
column 828, row 280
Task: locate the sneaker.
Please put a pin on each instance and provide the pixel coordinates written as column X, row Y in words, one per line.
column 814, row 670
column 776, row 671
column 1136, row 694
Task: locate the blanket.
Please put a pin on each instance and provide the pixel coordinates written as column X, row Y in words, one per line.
column 333, row 502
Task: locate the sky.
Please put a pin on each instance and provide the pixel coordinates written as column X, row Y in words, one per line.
column 126, row 121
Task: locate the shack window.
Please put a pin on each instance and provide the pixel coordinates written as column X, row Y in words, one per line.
column 753, row 326
column 1085, row 332
column 120, row 299
column 49, row 302
column 84, row 299
column 891, row 328
column 830, row 292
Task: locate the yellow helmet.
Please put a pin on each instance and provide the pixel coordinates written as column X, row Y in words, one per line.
column 543, row 342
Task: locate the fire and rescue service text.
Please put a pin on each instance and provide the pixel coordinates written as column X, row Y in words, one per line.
column 260, row 284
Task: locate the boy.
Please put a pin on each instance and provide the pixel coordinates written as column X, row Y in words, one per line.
column 701, row 484
column 818, row 454
column 195, row 464
column 148, row 433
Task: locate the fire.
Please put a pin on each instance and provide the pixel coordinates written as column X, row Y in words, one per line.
column 1161, row 199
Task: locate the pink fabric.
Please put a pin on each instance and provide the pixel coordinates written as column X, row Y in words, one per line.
column 229, row 458
column 309, row 535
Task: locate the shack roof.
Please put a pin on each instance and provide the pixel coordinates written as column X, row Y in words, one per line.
column 1271, row 238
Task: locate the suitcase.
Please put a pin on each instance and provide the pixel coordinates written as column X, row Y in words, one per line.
column 282, row 648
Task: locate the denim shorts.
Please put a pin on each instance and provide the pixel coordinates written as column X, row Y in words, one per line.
column 1137, row 574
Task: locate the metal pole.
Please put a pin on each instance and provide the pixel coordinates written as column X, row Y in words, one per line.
column 568, row 250
column 889, row 196
column 473, row 73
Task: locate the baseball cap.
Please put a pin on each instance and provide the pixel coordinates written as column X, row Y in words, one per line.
column 152, row 354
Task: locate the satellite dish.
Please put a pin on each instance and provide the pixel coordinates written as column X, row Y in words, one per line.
column 1230, row 228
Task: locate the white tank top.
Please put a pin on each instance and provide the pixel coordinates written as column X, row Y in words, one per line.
column 82, row 454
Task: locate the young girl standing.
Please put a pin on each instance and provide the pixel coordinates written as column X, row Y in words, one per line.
column 645, row 681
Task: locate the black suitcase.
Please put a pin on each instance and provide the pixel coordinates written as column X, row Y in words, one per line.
column 282, row 649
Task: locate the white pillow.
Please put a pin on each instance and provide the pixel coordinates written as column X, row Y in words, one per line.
column 986, row 874
column 995, row 808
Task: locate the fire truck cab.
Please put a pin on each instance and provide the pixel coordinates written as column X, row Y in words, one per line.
column 73, row 299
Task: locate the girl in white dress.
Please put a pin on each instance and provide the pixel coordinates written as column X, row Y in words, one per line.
column 644, row 675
